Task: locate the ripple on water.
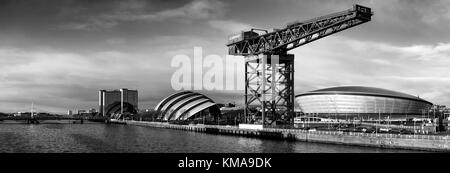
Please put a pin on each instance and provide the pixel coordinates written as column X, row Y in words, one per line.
column 54, row 126
column 11, row 142
column 95, row 145
column 101, row 138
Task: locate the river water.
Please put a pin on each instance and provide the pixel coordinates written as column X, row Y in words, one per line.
column 51, row 137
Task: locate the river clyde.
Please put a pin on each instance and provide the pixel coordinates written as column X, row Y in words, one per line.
column 64, row 137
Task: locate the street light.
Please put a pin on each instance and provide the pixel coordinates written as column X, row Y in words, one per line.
column 389, row 122
column 379, row 117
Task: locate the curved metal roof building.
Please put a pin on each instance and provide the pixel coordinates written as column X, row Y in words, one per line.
column 359, row 99
column 183, row 105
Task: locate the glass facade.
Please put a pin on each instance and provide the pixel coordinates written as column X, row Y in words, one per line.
column 107, row 98
column 359, row 104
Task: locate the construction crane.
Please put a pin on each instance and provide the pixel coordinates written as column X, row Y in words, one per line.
column 269, row 69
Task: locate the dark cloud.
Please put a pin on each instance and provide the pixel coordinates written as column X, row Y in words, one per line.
column 402, row 22
column 407, row 22
column 58, row 53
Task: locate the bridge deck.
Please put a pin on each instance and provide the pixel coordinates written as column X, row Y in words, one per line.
column 51, row 118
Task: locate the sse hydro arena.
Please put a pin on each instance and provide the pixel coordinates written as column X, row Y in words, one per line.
column 357, row 101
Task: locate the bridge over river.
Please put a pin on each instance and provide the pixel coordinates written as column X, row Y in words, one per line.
column 36, row 119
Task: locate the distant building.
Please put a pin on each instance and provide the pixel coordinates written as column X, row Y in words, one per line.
column 124, row 99
column 69, row 112
column 228, row 105
column 92, row 110
column 438, row 108
column 81, row 111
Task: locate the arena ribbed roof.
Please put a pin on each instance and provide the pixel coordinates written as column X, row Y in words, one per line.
column 362, row 90
column 183, row 105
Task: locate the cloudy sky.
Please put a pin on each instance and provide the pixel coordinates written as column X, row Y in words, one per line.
column 59, row 53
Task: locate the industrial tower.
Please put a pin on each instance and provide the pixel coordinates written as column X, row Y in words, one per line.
column 269, row 69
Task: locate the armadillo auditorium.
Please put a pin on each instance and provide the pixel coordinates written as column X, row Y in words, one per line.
column 359, row 101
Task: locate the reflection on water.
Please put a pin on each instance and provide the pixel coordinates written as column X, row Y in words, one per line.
column 105, row 138
column 253, row 144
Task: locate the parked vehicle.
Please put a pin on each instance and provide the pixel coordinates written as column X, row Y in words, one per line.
column 406, row 132
column 395, row 131
column 384, row 130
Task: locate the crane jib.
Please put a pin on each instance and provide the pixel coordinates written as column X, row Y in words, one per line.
column 298, row 33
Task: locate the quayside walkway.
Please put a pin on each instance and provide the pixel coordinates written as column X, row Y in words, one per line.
column 398, row 141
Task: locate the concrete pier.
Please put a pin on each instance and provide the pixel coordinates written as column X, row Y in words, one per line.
column 393, row 141
column 32, row 121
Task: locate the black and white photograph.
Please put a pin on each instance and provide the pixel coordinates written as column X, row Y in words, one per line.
column 224, row 76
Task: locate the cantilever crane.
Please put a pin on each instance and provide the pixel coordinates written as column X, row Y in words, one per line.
column 269, row 79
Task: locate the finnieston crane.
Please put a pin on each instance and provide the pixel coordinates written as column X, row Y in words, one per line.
column 269, row 69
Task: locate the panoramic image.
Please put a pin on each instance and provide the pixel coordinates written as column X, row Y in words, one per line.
column 224, row 76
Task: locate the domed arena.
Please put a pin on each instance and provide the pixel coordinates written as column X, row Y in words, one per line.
column 358, row 101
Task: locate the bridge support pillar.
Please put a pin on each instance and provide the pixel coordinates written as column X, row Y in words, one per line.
column 32, row 121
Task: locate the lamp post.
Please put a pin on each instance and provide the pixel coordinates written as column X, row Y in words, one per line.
column 389, row 122
column 379, row 117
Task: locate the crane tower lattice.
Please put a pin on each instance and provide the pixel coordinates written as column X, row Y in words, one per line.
column 269, row 69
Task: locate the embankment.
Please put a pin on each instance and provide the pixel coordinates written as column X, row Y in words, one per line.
column 396, row 141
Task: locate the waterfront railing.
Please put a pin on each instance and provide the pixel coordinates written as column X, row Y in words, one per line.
column 293, row 131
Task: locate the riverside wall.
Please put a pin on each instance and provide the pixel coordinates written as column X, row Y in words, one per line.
column 394, row 141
